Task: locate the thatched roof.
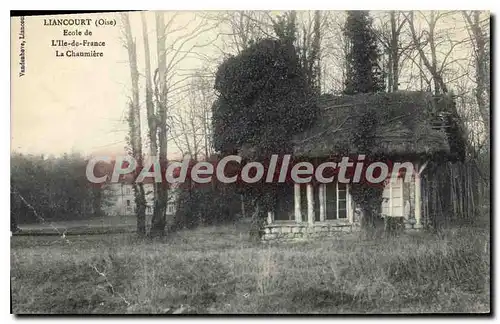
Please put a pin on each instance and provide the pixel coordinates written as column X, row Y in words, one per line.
column 403, row 125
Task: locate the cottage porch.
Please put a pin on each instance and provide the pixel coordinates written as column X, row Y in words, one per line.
column 314, row 210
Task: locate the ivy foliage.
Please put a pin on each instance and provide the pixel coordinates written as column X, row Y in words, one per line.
column 363, row 72
column 364, row 76
column 368, row 196
column 263, row 99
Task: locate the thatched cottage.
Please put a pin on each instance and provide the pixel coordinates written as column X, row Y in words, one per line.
column 409, row 126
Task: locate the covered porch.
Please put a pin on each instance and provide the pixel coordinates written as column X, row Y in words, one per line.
column 315, row 210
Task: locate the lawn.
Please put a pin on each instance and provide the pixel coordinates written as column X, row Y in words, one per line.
column 217, row 270
column 91, row 225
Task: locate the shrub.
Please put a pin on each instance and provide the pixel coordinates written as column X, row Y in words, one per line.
column 206, row 205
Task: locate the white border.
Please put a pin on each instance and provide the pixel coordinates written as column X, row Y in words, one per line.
column 198, row 5
column 262, row 5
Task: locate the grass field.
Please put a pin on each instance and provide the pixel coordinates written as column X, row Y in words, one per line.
column 90, row 225
column 217, row 270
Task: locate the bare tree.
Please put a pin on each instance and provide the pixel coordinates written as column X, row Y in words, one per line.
column 334, row 49
column 135, row 124
column 165, row 88
column 191, row 129
column 447, row 60
column 239, row 28
column 478, row 33
column 444, row 55
column 318, row 38
column 158, row 222
column 150, row 111
column 309, row 46
column 389, row 33
column 430, row 42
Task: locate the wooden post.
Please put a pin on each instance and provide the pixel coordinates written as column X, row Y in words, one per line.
column 402, row 193
column 298, row 212
column 349, row 206
column 310, row 204
column 270, row 217
column 389, row 184
column 243, row 213
column 418, row 193
column 322, row 202
column 337, row 216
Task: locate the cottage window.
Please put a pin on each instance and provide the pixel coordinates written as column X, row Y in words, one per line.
column 128, row 203
column 336, row 201
column 321, row 202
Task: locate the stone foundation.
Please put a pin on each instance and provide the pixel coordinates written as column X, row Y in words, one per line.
column 303, row 230
column 293, row 231
column 411, row 224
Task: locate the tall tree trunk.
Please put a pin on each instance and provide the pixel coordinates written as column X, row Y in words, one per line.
column 315, row 55
column 395, row 31
column 390, row 80
column 135, row 127
column 150, row 109
column 159, row 215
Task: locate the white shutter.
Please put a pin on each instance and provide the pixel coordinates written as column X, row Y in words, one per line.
column 392, row 202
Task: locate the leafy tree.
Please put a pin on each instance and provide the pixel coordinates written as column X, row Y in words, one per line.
column 363, row 76
column 263, row 100
column 363, row 72
column 56, row 188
